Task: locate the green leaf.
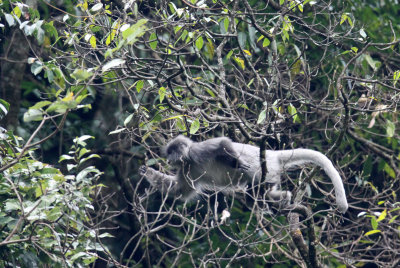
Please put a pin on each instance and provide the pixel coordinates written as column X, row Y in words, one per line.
column 262, row 116
column 90, row 259
column 17, row 12
column 62, row 106
column 153, row 41
column 128, row 119
column 180, row 124
column 226, row 24
column 89, row 157
column 189, row 37
column 109, row 53
column 40, row 189
column 296, row 68
column 82, row 152
column 96, row 7
column 68, row 97
column 33, row 115
column 108, row 39
column 244, row 106
column 247, row 52
column 396, row 77
column 350, row 21
column 372, row 232
column 40, row 104
column 135, row 31
column 390, row 128
column 54, row 214
column 38, row 31
column 209, row 91
column 5, row 220
column 239, row 61
column 374, row 223
column 92, row 41
column 161, row 93
column 4, row 108
column 84, row 174
column 80, row 98
column 116, row 131
column 362, row 33
column 382, row 216
column 78, row 255
column 177, row 28
column 266, row 42
column 12, row 205
column 36, row 67
column 184, row 35
column 50, row 29
column 300, row 7
column 229, row 55
column 195, row 126
column 199, row 43
column 105, row 235
column 172, row 7
column 367, row 168
column 81, row 74
column 112, row 64
column 343, row 18
column 65, row 157
column 139, row 85
column 81, row 140
column 50, row 75
column 393, row 219
column 242, row 38
column 293, row 112
column 389, row 171
column 210, row 49
column 10, row 19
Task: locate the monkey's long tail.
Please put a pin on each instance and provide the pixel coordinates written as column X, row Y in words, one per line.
column 296, row 157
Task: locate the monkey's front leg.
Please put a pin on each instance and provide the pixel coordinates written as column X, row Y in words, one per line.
column 164, row 183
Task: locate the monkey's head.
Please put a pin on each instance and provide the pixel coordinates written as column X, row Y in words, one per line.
column 177, row 150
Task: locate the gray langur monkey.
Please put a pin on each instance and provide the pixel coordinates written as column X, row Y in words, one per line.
column 220, row 164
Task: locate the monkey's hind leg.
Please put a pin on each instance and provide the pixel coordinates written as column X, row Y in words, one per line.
column 229, row 156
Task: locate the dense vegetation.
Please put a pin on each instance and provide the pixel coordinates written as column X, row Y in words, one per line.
column 91, row 90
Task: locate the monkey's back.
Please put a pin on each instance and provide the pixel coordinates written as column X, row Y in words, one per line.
column 251, row 155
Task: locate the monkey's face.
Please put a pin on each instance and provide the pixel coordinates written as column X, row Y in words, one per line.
column 177, row 153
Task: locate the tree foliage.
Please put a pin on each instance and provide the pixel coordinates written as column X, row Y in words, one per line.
column 45, row 214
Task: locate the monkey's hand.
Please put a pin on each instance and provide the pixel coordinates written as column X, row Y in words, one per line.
column 150, row 175
column 163, row 182
column 142, row 170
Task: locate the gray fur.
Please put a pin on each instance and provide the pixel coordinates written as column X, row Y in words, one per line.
column 220, row 164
